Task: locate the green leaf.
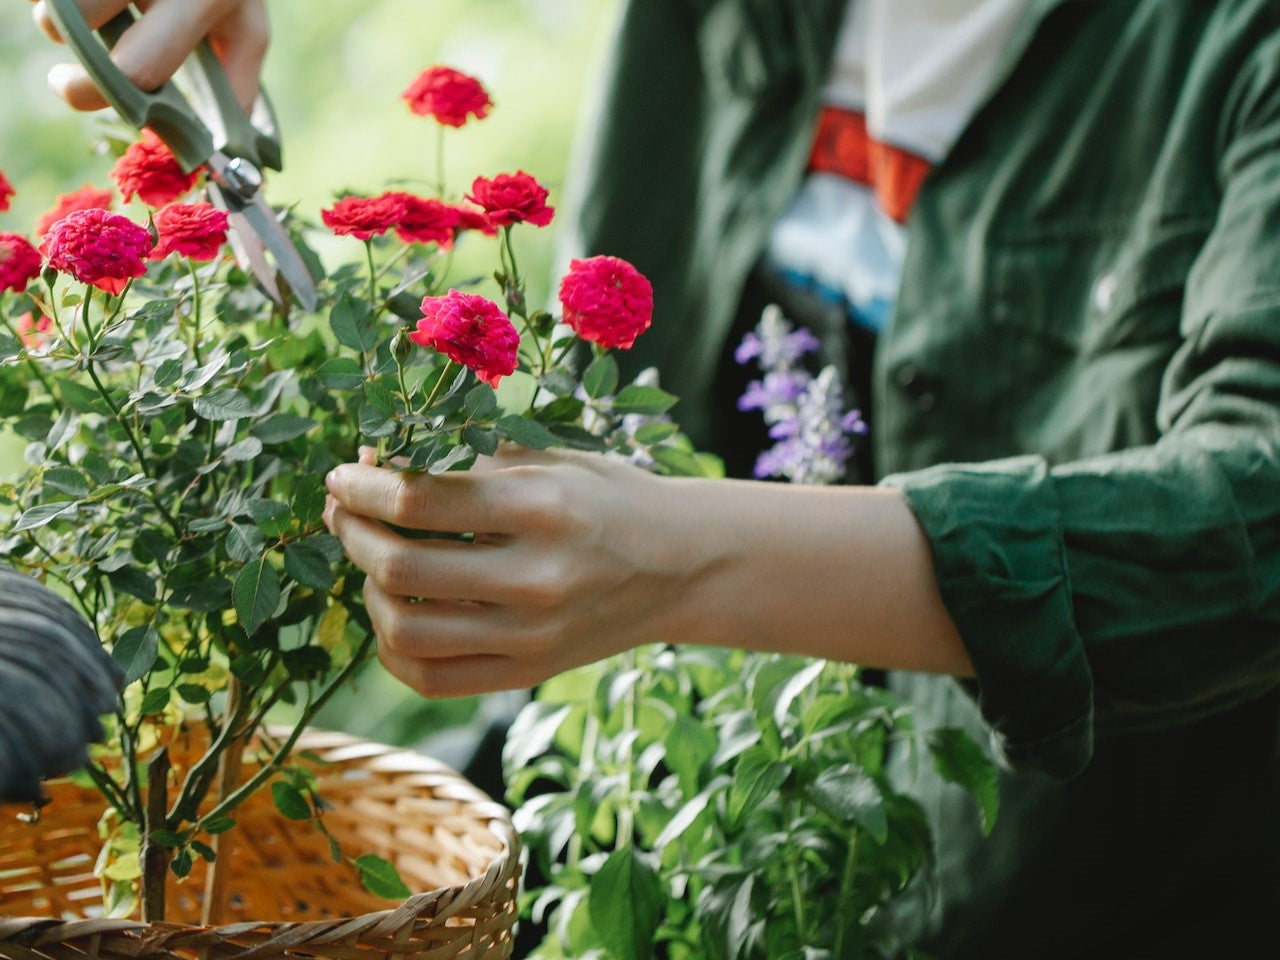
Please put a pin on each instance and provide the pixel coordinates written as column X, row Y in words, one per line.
column 677, row 462
column 281, row 428
column 481, row 439
column 532, row 733
column 308, row 565
column 226, row 404
column 290, row 801
column 625, row 903
column 168, row 372
column 305, row 662
column 959, row 759
column 136, row 651
column 181, row 865
column 154, row 701
column 480, row 401
column 256, row 594
column 792, row 687
column 246, row 449
column 647, row 400
column 600, row 379
column 205, row 851
column 682, row 820
column 67, row 480
column 308, row 500
column 80, row 398
column 271, row 516
column 656, row 432
column 219, row 825
column 340, row 373
column 166, row 838
column 194, row 693
column 689, row 744
column 203, row 596
column 847, row 793
column 755, row 777
column 374, row 423
column 381, row 878
column 42, row 514
column 352, row 323
column 527, row 433
column 244, row 542
column 458, row 457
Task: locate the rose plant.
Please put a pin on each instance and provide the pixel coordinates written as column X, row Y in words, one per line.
column 179, row 425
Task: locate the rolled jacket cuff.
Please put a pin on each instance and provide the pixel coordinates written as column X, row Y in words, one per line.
column 995, row 530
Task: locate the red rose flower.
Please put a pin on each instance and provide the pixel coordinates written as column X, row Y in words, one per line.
column 98, row 247
column 87, row 197
column 19, row 262
column 425, row 220
column 6, row 192
column 512, row 198
column 32, row 331
column 447, row 95
column 364, row 217
column 473, row 218
column 196, row 231
column 150, row 170
column 606, row 301
column 471, row 330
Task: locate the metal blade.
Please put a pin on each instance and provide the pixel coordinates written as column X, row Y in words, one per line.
column 246, row 243
column 270, row 232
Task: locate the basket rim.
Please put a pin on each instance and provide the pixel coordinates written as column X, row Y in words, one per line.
column 27, row 933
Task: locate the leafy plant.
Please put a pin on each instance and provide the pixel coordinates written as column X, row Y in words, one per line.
column 179, row 425
column 690, row 802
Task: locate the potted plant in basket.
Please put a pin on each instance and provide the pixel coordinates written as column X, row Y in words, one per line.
column 179, row 425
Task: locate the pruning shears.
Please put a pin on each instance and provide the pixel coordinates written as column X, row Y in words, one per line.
column 209, row 130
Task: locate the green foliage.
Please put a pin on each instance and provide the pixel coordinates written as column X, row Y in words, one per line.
column 687, row 802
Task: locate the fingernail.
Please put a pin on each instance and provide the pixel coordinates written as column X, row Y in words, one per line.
column 327, row 515
column 331, row 479
column 60, row 76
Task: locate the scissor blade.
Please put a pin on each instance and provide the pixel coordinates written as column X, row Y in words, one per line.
column 246, row 243
column 270, row 232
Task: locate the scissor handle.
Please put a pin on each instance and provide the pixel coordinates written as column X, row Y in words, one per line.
column 165, row 110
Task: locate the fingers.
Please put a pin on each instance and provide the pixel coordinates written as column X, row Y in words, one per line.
column 428, row 569
column 460, row 677
column 481, row 501
column 153, row 48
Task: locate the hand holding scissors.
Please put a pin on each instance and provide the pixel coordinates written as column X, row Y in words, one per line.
column 210, row 130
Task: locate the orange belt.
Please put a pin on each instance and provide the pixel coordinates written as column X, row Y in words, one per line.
column 843, row 146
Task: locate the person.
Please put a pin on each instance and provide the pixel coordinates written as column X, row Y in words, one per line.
column 1072, row 543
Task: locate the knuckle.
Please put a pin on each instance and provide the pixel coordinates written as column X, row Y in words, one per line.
column 393, row 570
column 406, row 502
column 545, row 502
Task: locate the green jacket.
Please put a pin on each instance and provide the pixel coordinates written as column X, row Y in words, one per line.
column 1079, row 394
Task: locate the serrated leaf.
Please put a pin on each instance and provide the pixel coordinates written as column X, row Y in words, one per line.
column 374, row 423
column 67, row 480
column 308, row 565
column 226, row 404
column 651, row 401
column 282, row 427
column 246, row 449
column 352, row 323
column 308, row 500
column 625, row 902
column 340, row 373
column 244, row 542
column 960, row 760
column 527, row 433
column 256, row 594
column 600, row 379
column 381, row 878
column 271, row 516
column 847, row 793
column 290, row 801
column 480, row 401
column 459, row 456
column 136, row 651
column 332, row 627
column 481, row 439
column 167, row 372
column 41, row 514
column 154, row 701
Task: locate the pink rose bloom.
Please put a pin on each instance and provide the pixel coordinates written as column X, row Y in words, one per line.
column 471, row 330
column 19, row 262
column 196, row 231
column 150, row 170
column 6, row 192
column 364, row 217
column 87, row 197
column 606, row 301
column 98, row 247
column 32, row 331
column 512, row 198
column 447, row 95
column 425, row 220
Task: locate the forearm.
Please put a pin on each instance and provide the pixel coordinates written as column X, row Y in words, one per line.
column 843, row 573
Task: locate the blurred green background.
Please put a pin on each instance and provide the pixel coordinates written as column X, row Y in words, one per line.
column 335, row 73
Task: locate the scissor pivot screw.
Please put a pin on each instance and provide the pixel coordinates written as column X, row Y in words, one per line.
column 241, row 176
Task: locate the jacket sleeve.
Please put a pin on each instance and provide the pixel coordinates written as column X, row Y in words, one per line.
column 1140, row 589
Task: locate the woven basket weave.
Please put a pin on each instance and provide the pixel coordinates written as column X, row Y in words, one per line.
column 286, row 895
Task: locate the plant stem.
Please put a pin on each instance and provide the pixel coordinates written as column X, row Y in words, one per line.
column 111, row 790
column 155, row 857
column 195, row 312
column 843, row 917
column 445, row 374
column 270, row 767
column 440, row 161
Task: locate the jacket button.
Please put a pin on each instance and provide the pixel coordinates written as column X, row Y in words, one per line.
column 920, row 388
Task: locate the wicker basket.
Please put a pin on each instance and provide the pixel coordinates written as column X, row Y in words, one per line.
column 286, row 895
